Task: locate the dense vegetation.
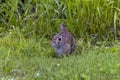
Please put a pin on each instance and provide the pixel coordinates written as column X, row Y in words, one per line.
column 27, row 27
column 99, row 18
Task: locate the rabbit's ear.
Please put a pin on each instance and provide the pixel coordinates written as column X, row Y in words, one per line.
column 63, row 29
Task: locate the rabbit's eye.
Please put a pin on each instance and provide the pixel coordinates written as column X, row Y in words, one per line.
column 59, row 39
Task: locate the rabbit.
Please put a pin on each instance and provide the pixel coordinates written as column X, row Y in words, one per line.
column 63, row 42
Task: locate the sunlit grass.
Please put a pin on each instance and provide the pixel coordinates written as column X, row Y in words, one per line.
column 31, row 59
column 83, row 17
column 26, row 30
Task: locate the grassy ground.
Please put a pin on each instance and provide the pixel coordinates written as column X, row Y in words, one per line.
column 30, row 59
column 27, row 27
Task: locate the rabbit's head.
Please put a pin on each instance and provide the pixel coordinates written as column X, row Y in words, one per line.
column 59, row 39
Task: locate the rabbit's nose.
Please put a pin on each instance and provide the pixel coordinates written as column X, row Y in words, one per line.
column 52, row 42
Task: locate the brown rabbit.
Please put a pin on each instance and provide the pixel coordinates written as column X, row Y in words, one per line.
column 63, row 42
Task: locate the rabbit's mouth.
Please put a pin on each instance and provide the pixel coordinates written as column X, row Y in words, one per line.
column 56, row 46
column 53, row 44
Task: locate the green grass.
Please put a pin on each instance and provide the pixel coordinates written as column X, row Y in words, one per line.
column 41, row 17
column 26, row 30
column 30, row 59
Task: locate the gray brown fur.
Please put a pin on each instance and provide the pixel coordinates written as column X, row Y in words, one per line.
column 63, row 42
